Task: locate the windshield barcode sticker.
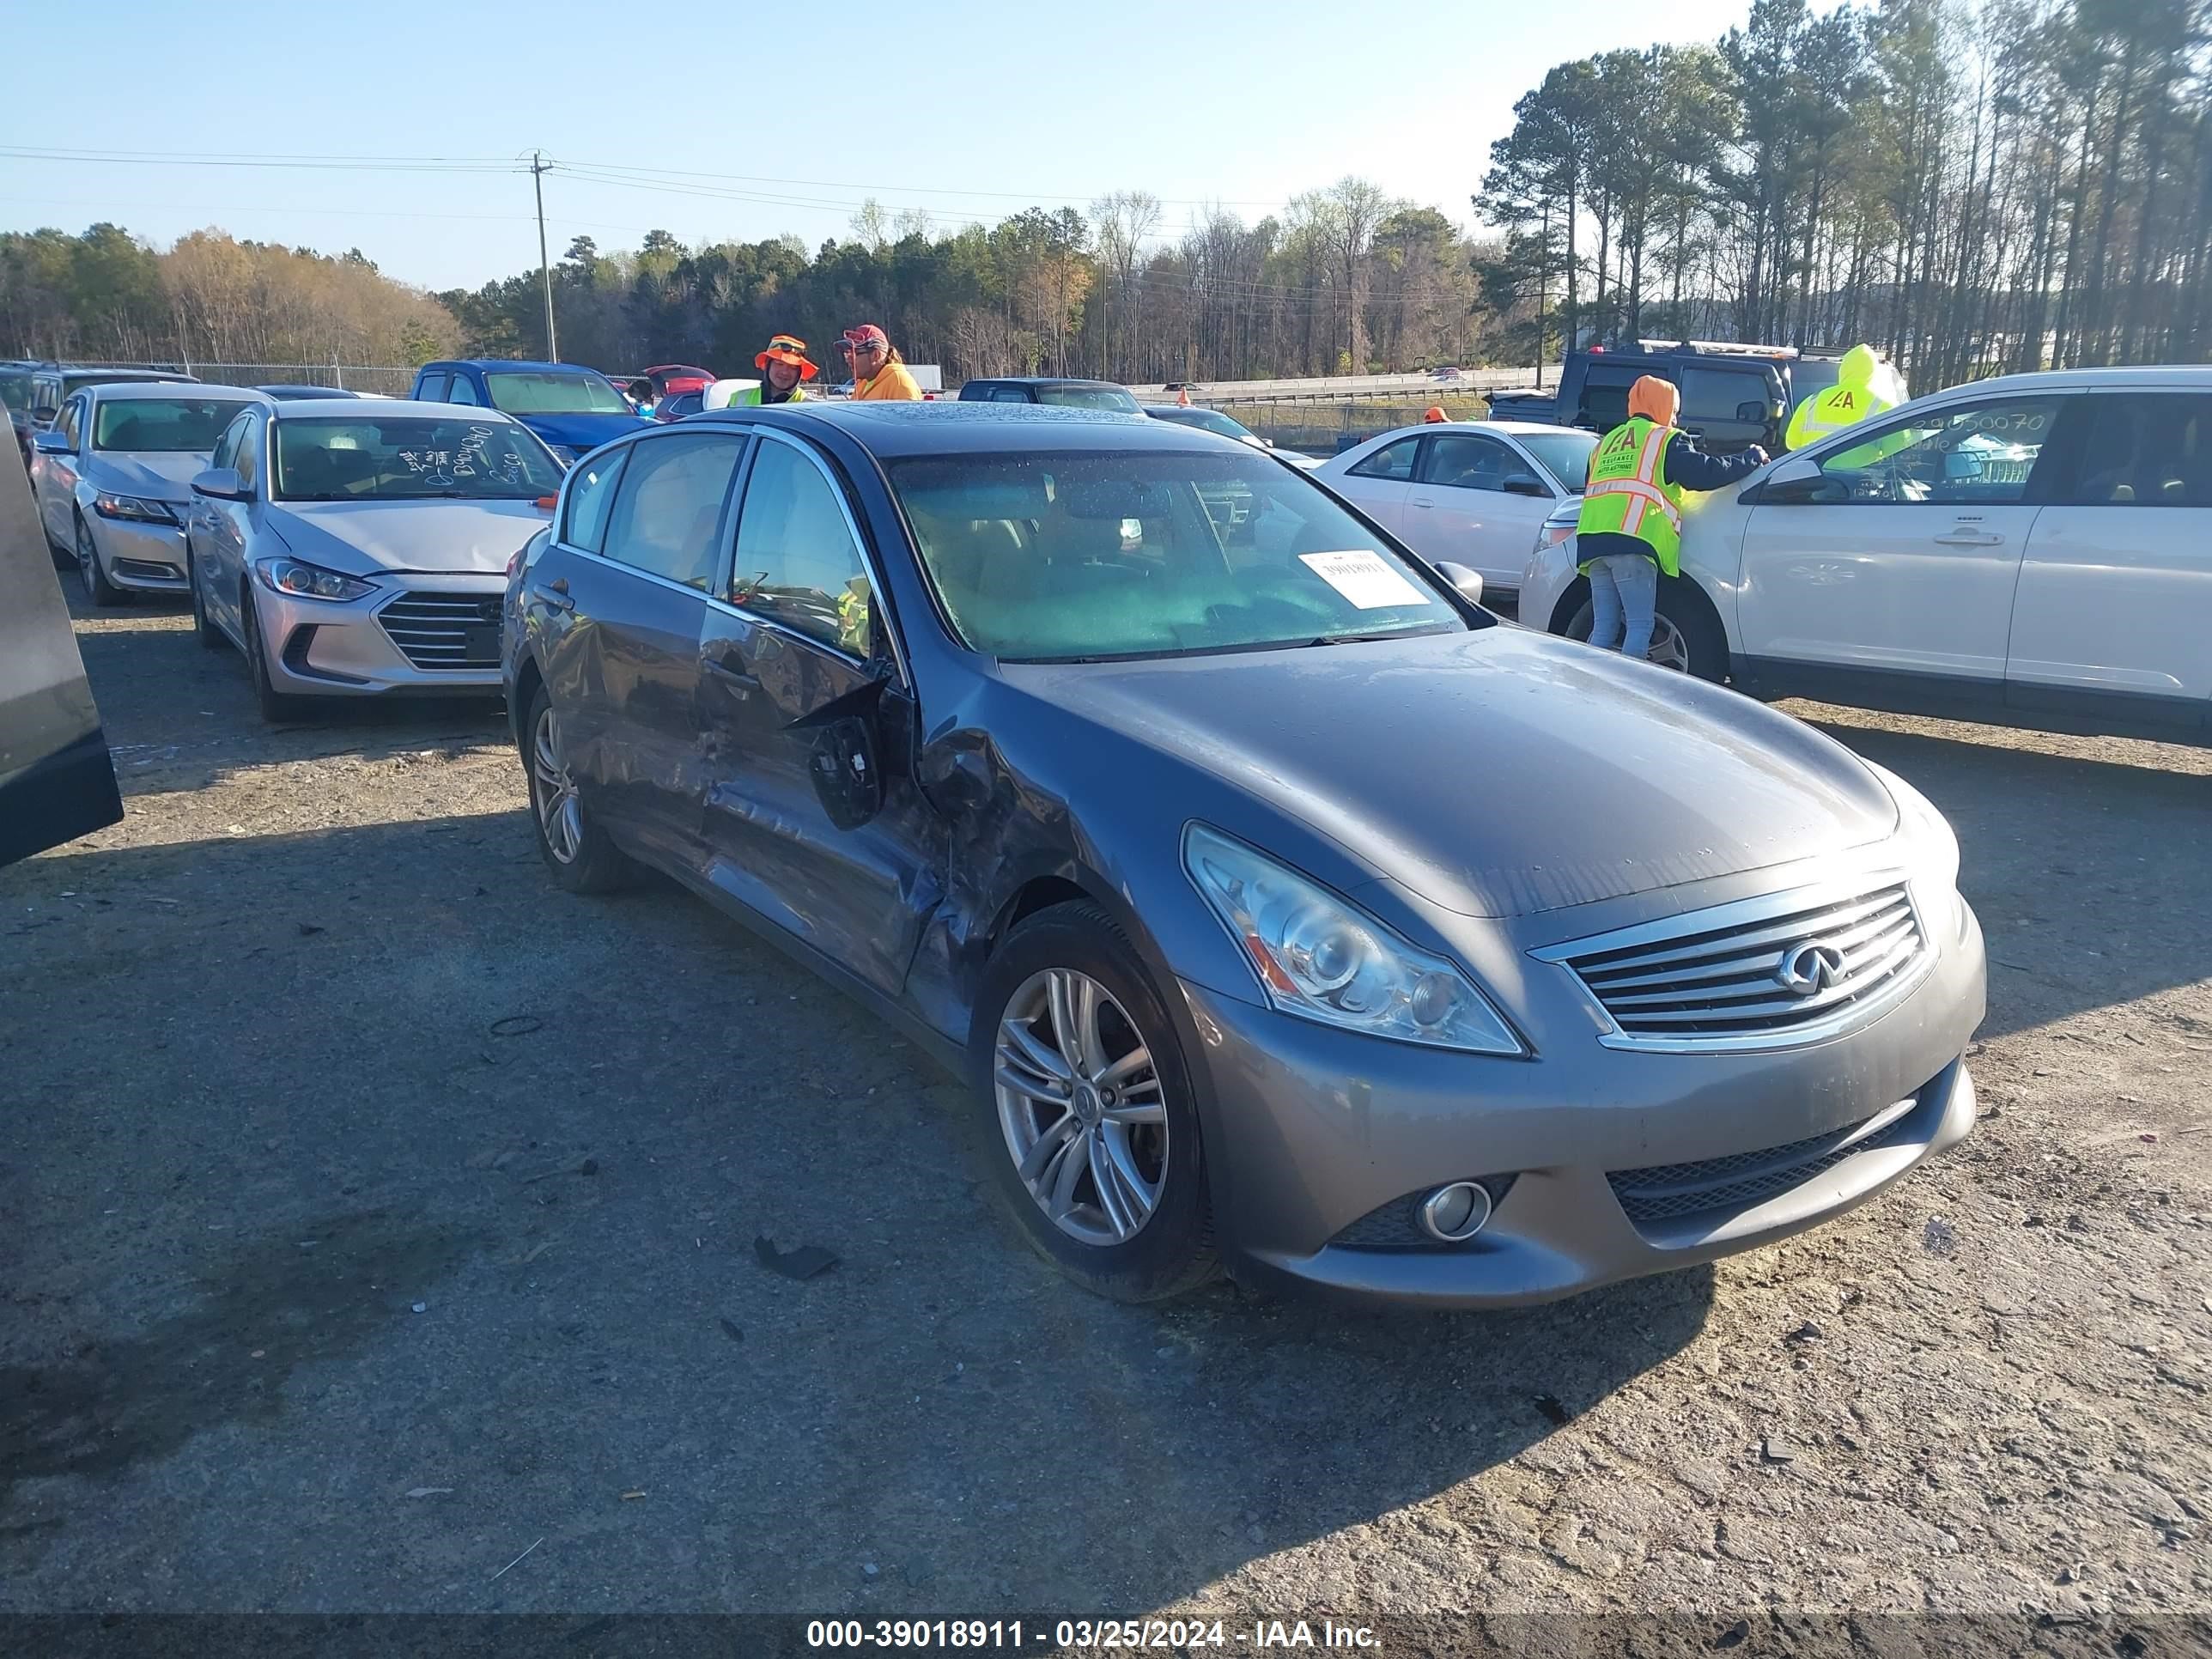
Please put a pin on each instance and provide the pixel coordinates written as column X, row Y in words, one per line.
column 1363, row 578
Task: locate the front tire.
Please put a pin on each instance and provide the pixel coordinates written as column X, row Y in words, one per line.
column 277, row 709
column 1090, row 1111
column 575, row 849
column 1684, row 635
column 103, row 594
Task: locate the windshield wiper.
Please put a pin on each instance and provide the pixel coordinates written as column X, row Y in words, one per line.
column 1379, row 634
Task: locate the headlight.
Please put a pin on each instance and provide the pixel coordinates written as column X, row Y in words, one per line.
column 1557, row 527
column 1322, row 958
column 1933, row 856
column 309, row 581
column 136, row 510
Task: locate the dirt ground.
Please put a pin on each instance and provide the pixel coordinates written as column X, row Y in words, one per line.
column 370, row 1210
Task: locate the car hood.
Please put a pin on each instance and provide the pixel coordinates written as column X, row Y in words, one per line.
column 153, row 474
column 359, row 538
column 1496, row 774
column 582, row 432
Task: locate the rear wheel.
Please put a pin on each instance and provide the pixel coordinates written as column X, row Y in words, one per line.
column 575, row 849
column 277, row 709
column 203, row 629
column 102, row 592
column 1090, row 1113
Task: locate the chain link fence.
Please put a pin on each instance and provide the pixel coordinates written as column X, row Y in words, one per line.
column 389, row 381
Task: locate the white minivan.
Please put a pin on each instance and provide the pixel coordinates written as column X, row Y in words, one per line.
column 2035, row 549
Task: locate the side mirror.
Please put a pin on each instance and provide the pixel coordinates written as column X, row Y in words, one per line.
column 50, row 443
column 1526, row 483
column 1465, row 582
column 221, row 483
column 1754, row 414
column 1794, row 479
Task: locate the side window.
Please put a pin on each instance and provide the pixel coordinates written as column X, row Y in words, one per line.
column 463, row 391
column 1392, row 461
column 1010, row 394
column 1720, row 394
column 226, row 446
column 1605, row 396
column 668, row 505
column 246, row 455
column 591, row 493
column 797, row 560
column 71, row 421
column 44, row 394
column 1975, row 455
column 1467, row 460
column 433, row 389
column 2143, row 449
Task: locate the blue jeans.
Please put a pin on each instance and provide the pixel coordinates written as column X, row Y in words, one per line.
column 1624, row 593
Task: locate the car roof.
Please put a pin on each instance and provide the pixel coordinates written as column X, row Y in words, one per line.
column 1509, row 428
column 893, row 430
column 86, row 371
column 2191, row 375
column 513, row 362
column 124, row 390
column 1045, row 379
column 365, row 409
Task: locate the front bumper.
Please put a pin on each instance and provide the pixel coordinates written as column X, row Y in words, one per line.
column 1551, row 572
column 1311, row 1132
column 142, row 558
column 416, row 636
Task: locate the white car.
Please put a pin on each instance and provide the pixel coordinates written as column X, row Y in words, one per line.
column 2030, row 550
column 111, row 477
column 352, row 550
column 1473, row 492
column 1212, row 420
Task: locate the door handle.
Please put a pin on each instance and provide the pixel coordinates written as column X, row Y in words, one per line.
column 730, row 675
column 1421, row 501
column 556, row 595
column 1970, row 538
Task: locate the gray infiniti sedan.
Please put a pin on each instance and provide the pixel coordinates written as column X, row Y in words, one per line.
column 1286, row 911
column 351, row 547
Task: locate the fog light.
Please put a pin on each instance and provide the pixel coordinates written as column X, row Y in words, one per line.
column 1455, row 1213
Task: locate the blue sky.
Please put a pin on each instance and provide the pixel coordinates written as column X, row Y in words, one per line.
column 966, row 108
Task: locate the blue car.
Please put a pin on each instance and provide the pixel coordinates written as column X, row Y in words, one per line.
column 574, row 409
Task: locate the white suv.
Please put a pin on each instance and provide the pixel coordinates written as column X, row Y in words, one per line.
column 2032, row 549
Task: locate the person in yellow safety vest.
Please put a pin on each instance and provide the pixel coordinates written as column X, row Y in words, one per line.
column 784, row 363
column 1862, row 388
column 1630, row 528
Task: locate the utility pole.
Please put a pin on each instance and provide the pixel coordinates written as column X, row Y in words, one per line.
column 538, row 168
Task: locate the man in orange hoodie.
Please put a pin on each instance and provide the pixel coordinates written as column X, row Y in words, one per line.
column 1630, row 530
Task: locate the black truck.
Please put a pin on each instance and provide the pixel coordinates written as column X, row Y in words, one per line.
column 1733, row 396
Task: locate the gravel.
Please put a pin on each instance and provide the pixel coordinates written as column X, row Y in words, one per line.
column 309, row 1040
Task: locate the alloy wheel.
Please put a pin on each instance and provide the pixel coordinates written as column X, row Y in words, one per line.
column 559, row 818
column 1081, row 1106
column 1668, row 649
column 87, row 563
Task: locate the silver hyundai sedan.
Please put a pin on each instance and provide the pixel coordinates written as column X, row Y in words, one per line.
column 352, row 549
column 113, row 475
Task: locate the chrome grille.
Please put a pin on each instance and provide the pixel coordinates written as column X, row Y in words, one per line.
column 445, row 630
column 1784, row 968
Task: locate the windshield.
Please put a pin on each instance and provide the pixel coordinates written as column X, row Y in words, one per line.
column 1564, row 455
column 408, row 459
column 15, row 388
column 1205, row 420
column 168, row 426
column 540, row 392
column 1090, row 396
column 1063, row 558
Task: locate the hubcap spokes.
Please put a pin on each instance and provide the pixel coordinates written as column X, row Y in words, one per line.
column 1081, row 1107
column 557, row 814
column 1668, row 649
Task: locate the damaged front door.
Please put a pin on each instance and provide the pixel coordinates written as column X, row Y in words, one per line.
column 812, row 817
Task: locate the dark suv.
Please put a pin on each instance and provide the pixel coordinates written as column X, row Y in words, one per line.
column 1733, row 396
column 1041, row 389
column 43, row 388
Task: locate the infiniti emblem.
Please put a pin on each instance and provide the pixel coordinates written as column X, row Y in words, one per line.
column 1810, row 967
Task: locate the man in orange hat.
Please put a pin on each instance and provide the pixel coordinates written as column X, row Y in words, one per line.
column 1435, row 414
column 786, row 365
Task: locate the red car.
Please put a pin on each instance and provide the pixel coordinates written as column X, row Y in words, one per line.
column 670, row 378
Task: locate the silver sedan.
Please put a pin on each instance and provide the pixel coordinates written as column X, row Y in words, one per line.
column 352, row 549
column 112, row 478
